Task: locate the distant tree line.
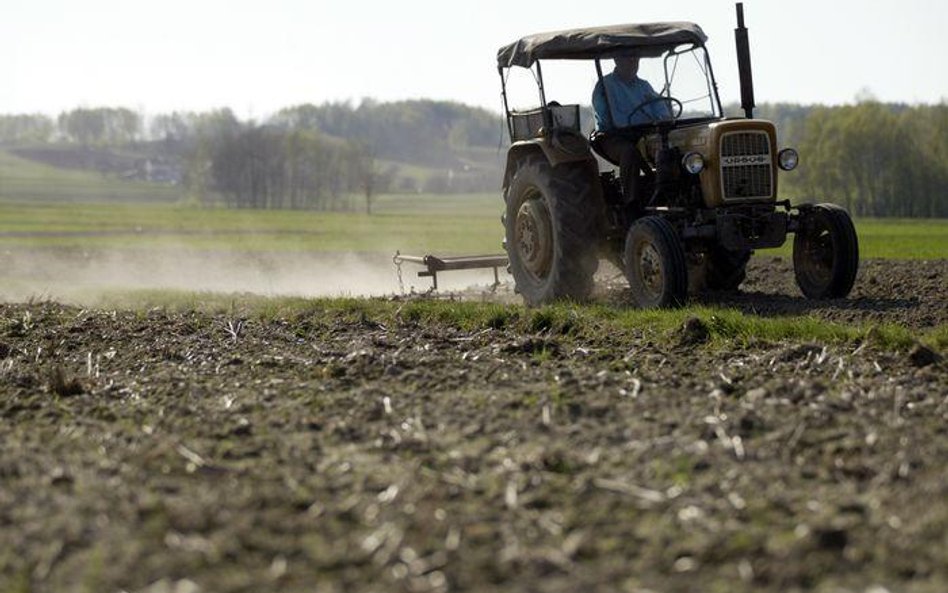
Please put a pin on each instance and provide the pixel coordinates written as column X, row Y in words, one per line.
column 332, row 149
column 102, row 126
column 26, row 128
column 293, row 161
column 875, row 159
column 306, row 156
column 878, row 161
column 251, row 165
column 423, row 131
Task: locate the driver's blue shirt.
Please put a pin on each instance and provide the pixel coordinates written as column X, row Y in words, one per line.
column 624, row 97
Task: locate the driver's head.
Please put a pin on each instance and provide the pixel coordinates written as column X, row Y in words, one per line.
column 627, row 66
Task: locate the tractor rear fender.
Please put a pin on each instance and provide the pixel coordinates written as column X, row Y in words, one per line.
column 557, row 148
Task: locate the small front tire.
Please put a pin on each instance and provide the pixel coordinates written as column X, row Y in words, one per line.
column 825, row 252
column 655, row 266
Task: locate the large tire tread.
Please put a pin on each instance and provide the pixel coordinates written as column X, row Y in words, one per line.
column 574, row 202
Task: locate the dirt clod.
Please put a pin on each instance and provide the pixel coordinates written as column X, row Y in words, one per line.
column 831, row 538
column 694, row 332
column 923, row 356
column 63, row 385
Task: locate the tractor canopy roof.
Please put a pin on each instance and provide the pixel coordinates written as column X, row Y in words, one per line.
column 646, row 40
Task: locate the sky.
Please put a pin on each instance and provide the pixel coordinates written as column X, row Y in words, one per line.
column 257, row 57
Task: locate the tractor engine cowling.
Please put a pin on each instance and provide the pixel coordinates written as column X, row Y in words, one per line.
column 740, row 159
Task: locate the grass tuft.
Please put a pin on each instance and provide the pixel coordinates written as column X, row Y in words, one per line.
column 937, row 338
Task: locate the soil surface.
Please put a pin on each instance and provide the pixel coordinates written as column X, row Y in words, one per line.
column 154, row 451
column 902, row 292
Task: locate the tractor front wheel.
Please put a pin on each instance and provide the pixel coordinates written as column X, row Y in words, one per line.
column 655, row 264
column 825, row 252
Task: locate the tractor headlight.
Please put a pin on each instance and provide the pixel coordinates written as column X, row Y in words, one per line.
column 693, row 162
column 788, row 159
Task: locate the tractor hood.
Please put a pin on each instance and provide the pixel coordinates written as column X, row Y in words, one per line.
column 646, row 40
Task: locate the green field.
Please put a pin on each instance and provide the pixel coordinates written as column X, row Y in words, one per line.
column 893, row 238
column 43, row 206
column 459, row 224
column 430, row 223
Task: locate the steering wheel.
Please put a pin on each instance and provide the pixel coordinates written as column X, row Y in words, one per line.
column 670, row 100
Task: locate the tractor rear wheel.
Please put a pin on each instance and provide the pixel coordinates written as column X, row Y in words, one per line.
column 552, row 226
column 825, row 252
column 655, row 264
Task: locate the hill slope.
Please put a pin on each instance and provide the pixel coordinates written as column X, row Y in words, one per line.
column 25, row 179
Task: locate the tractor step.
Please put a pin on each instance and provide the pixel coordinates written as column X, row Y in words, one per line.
column 434, row 264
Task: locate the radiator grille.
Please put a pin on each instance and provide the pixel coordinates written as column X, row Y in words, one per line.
column 746, row 166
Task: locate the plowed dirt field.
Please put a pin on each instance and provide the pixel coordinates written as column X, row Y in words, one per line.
column 167, row 451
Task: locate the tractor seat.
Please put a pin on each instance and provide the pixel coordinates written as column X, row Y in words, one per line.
column 596, row 138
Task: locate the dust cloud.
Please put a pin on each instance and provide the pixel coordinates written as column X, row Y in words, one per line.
column 83, row 276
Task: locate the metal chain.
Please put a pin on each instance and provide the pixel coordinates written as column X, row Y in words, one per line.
column 397, row 260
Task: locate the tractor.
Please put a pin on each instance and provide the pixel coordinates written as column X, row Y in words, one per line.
column 707, row 186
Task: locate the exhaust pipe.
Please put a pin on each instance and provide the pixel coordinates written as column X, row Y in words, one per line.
column 744, row 64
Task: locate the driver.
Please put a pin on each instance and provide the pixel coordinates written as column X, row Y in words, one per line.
column 626, row 93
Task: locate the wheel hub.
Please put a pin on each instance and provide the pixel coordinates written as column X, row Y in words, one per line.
column 650, row 268
column 534, row 237
column 818, row 262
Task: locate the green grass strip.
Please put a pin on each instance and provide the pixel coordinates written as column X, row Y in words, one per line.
column 726, row 327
